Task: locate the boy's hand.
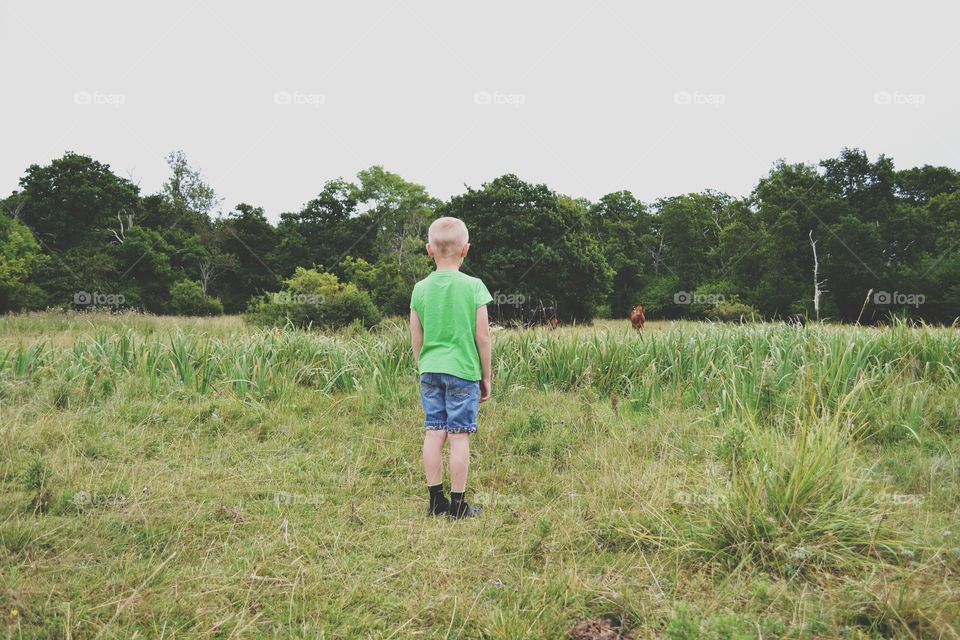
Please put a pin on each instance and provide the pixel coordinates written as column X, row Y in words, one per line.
column 484, row 389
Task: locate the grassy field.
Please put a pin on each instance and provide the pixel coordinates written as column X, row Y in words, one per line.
column 200, row 478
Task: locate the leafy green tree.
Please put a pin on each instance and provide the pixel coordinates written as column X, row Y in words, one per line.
column 853, row 263
column 143, row 272
column 76, row 227
column 325, row 231
column 190, row 198
column 689, row 228
column 936, row 274
column 20, row 258
column 314, row 298
column 182, row 216
column 732, row 310
column 792, row 201
column 738, row 249
column 74, row 201
column 660, row 297
column 868, row 188
column 784, row 268
column 243, row 264
column 63, row 275
column 187, row 298
column 527, row 240
column 402, row 212
column 622, row 225
column 387, row 287
column 918, row 185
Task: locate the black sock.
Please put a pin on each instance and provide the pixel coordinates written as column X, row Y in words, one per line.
column 457, row 504
column 438, row 501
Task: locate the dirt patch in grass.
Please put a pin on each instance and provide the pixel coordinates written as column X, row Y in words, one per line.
column 597, row 630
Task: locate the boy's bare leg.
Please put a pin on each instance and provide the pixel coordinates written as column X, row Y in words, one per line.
column 459, row 461
column 433, row 440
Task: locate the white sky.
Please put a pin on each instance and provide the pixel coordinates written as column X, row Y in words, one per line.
column 583, row 94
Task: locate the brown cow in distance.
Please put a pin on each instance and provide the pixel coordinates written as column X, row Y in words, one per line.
column 637, row 318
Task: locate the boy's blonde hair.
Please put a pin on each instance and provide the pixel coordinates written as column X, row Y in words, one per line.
column 448, row 236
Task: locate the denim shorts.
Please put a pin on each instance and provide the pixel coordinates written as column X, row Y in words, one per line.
column 449, row 402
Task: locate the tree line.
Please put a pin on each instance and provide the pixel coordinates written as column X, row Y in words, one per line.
column 887, row 243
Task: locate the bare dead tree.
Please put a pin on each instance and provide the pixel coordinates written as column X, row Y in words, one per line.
column 120, row 235
column 132, row 178
column 817, row 283
column 656, row 256
column 209, row 270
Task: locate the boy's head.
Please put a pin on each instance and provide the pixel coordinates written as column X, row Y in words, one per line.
column 448, row 238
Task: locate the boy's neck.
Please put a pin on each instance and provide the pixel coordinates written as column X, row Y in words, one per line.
column 448, row 265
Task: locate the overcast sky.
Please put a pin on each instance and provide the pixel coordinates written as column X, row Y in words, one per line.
column 272, row 99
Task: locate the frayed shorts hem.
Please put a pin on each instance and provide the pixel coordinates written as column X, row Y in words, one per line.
column 430, row 426
column 467, row 429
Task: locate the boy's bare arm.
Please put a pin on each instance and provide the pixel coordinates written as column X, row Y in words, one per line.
column 416, row 337
column 483, row 348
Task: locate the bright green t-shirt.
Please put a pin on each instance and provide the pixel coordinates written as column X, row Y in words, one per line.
column 446, row 303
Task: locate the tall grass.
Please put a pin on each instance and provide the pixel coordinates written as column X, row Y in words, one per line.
column 742, row 469
column 763, row 372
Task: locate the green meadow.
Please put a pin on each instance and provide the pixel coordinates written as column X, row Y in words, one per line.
column 178, row 477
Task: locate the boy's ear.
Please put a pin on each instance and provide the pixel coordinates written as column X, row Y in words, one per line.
column 429, row 250
column 463, row 252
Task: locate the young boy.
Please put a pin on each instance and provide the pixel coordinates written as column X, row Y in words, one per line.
column 451, row 347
